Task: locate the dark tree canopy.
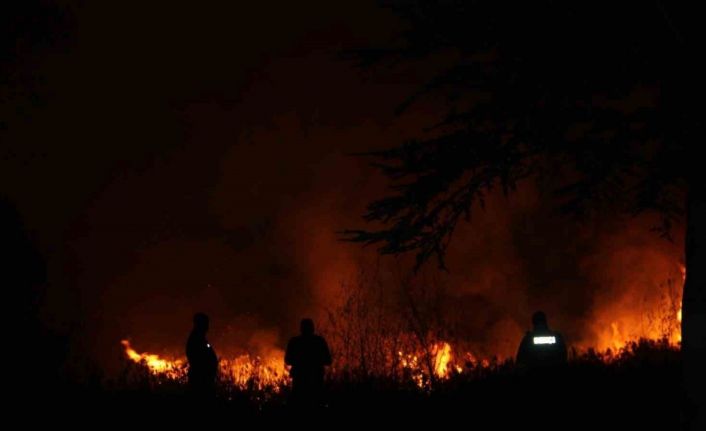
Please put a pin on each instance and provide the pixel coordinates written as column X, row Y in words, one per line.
column 590, row 97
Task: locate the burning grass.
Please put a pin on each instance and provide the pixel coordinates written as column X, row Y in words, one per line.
column 419, row 358
column 639, row 384
column 404, row 361
column 423, row 370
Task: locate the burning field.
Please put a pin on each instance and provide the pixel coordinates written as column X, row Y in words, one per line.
column 422, row 359
column 264, row 163
column 604, row 285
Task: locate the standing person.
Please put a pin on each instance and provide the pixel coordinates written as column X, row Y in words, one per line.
column 541, row 348
column 307, row 354
column 203, row 363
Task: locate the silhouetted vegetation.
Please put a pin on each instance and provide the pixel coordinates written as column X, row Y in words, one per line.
column 638, row 386
column 594, row 101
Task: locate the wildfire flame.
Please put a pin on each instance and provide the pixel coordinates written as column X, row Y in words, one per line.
column 437, row 362
column 156, row 365
column 682, row 268
column 442, row 357
column 656, row 318
column 256, row 372
column 243, row 371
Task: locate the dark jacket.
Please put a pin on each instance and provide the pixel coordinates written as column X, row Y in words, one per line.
column 203, row 363
column 542, row 348
column 307, row 354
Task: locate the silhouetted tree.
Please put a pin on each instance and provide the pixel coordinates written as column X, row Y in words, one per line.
column 23, row 277
column 597, row 100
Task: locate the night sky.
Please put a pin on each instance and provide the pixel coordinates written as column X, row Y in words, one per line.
column 166, row 159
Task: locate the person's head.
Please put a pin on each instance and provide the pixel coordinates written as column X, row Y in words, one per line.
column 201, row 322
column 306, row 327
column 539, row 320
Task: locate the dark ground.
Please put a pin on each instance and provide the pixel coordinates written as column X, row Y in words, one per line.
column 639, row 390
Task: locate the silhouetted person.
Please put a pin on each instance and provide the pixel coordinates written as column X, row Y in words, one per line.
column 307, row 354
column 203, row 363
column 541, row 348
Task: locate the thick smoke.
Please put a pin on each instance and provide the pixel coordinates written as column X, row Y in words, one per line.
column 214, row 177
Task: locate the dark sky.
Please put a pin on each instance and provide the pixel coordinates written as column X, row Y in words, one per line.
column 169, row 157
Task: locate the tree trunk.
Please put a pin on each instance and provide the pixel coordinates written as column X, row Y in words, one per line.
column 694, row 309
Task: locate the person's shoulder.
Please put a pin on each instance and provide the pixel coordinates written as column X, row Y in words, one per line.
column 558, row 335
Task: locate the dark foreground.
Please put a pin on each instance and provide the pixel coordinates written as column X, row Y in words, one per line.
column 639, row 390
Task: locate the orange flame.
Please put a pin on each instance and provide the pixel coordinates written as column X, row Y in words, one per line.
column 661, row 321
column 442, row 362
column 631, row 320
column 247, row 371
column 244, row 371
column 442, row 358
column 157, row 365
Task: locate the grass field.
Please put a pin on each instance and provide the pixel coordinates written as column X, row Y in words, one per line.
column 637, row 388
